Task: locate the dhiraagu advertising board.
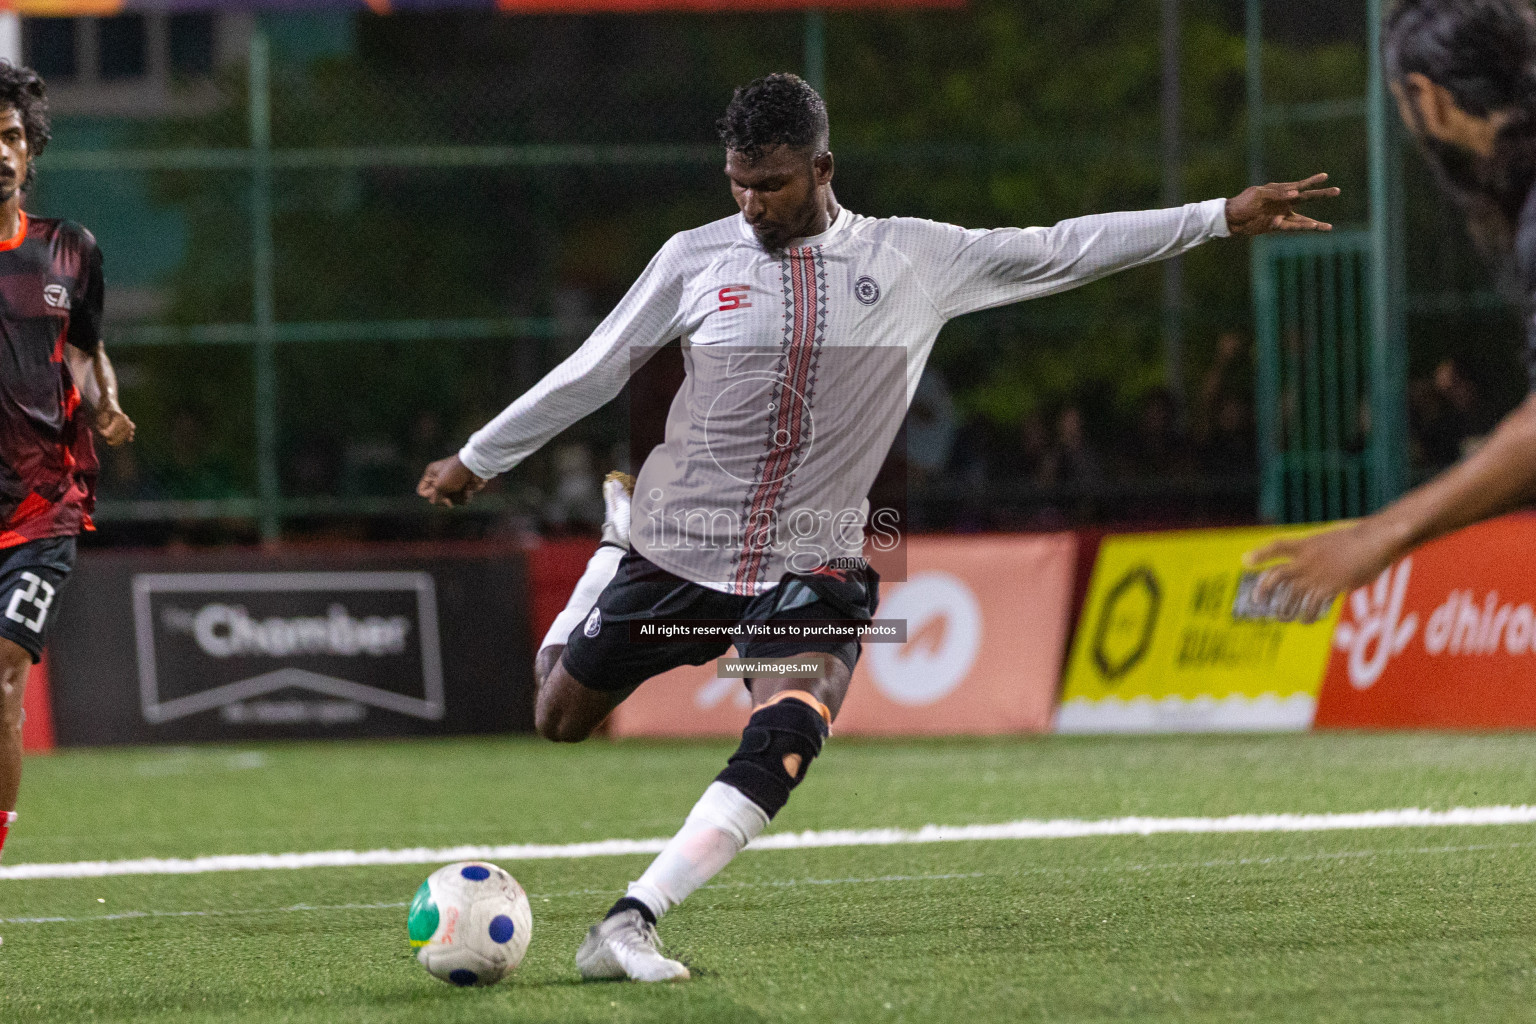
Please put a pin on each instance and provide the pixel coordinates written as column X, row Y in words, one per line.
column 1160, row 649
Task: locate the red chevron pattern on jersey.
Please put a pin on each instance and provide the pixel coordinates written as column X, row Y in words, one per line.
column 50, row 296
column 788, row 433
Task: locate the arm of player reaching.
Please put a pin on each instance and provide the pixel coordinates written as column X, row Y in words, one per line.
column 89, row 366
column 97, row 381
column 648, row 316
column 979, row 269
column 1499, row 477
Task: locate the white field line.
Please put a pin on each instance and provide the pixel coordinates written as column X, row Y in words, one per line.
column 794, row 883
column 1061, row 828
column 300, row 908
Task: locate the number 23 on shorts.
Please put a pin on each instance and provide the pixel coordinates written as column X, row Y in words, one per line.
column 34, row 595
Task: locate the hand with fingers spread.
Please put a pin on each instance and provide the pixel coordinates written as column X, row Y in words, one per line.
column 1260, row 209
column 1318, row 568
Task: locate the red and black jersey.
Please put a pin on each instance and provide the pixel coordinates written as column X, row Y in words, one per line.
column 50, row 296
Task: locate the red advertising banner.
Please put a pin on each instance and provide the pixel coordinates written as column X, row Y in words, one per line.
column 710, row 6
column 986, row 631
column 37, row 704
column 1446, row 638
column 554, row 569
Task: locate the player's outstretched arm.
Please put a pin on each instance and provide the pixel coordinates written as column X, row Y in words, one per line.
column 97, row 381
column 1261, row 209
column 964, row 271
column 1499, row 477
column 648, row 316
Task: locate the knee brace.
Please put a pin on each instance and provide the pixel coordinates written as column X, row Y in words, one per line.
column 777, row 747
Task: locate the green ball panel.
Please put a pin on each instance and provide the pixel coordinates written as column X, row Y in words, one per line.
column 422, row 922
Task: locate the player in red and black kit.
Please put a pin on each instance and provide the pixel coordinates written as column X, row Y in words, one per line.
column 56, row 383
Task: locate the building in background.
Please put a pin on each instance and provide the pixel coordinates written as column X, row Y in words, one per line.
column 149, row 64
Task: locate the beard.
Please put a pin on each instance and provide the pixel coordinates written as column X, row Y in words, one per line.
column 1461, row 171
column 1476, row 186
column 775, row 236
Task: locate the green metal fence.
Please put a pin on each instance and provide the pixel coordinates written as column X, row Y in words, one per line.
column 1314, row 376
column 258, row 161
column 284, row 140
column 1329, row 313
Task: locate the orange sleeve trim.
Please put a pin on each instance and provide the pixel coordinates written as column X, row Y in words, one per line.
column 803, row 697
column 20, row 236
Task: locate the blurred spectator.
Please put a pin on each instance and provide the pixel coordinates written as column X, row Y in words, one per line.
column 1056, row 483
column 575, row 501
column 977, row 463
column 1158, row 448
column 1228, row 374
column 1072, row 459
column 425, row 444
column 1156, row 456
column 618, row 457
column 1224, row 428
column 123, row 476
column 1230, row 445
column 1449, row 416
column 317, row 465
column 372, row 466
column 190, row 470
column 1015, row 455
column 931, row 429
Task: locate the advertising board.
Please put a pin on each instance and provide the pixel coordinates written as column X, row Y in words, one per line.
column 1446, row 638
column 226, row 645
column 37, row 706
column 1159, row 649
column 986, row 625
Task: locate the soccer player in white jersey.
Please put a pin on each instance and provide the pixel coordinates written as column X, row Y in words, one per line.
column 805, row 329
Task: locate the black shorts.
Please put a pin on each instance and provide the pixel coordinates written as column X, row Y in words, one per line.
column 601, row 656
column 31, row 576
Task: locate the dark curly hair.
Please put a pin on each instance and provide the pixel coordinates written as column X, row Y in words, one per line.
column 774, row 110
column 1484, row 53
column 22, row 90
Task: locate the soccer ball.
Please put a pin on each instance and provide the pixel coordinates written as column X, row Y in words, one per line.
column 470, row 923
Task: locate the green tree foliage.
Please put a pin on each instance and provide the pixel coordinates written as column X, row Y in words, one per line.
column 1002, row 113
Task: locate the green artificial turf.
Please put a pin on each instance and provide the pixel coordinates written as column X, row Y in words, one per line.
column 1372, row 925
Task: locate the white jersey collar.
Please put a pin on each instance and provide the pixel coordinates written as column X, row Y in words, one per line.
column 839, row 222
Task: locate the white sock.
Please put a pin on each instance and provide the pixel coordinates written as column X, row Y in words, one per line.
column 600, row 569
column 719, row 826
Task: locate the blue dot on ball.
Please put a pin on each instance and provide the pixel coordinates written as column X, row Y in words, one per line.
column 463, row 977
column 501, row 928
column 476, row 873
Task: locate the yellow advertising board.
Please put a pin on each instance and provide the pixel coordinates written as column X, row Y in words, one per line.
column 1158, row 648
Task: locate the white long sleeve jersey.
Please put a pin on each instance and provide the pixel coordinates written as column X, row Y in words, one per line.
column 800, row 365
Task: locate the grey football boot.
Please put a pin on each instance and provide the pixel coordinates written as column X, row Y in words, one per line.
column 626, row 946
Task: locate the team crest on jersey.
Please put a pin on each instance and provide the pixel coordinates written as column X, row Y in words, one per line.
column 56, row 295
column 594, row 623
column 866, row 291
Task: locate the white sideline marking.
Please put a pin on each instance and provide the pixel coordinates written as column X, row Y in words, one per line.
column 793, row 883
column 298, row 908
column 1060, row 828
column 134, row 915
